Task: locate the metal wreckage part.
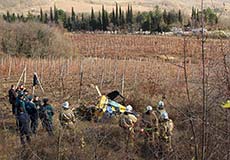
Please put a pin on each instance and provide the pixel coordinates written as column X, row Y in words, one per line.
column 112, row 103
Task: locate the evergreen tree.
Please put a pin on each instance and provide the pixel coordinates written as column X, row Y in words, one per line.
column 156, row 20
column 51, row 15
column 105, row 19
column 65, row 21
column 69, row 24
column 146, row 25
column 117, row 16
column 120, row 17
column 41, row 15
column 8, row 17
column 93, row 22
column 13, row 17
column 165, row 17
column 99, row 21
column 55, row 14
column 129, row 15
column 113, row 18
column 18, row 17
column 180, row 19
column 46, row 18
column 73, row 15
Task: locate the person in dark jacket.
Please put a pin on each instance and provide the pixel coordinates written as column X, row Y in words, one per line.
column 33, row 113
column 37, row 102
column 46, row 115
column 12, row 97
column 19, row 105
column 20, row 89
column 23, row 119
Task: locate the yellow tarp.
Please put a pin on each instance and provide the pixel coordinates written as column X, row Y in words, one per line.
column 226, row 105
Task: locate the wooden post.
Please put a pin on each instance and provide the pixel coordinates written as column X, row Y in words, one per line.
column 21, row 77
column 81, row 79
column 10, row 68
column 24, row 78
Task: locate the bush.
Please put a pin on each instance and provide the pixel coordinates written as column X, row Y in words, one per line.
column 32, row 40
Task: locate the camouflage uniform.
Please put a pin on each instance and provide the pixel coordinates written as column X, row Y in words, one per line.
column 67, row 118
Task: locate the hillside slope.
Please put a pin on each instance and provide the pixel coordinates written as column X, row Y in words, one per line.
column 85, row 5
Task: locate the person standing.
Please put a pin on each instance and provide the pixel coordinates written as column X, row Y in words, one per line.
column 46, row 115
column 150, row 123
column 33, row 113
column 127, row 122
column 66, row 117
column 12, row 97
column 23, row 119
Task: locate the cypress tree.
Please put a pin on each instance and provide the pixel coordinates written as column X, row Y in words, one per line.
column 51, row 14
column 55, row 14
column 46, row 18
column 69, row 24
column 18, row 17
column 73, row 16
column 127, row 15
column 131, row 15
column 104, row 25
column 180, row 19
column 120, row 17
column 93, row 22
column 13, row 17
column 41, row 15
column 117, row 15
column 165, row 17
column 99, row 20
column 8, row 17
column 113, row 18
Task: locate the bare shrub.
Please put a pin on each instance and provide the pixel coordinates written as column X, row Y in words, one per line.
column 33, row 40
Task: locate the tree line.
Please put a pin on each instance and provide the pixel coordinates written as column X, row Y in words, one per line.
column 156, row 20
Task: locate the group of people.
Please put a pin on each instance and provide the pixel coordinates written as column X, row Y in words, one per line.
column 27, row 110
column 155, row 124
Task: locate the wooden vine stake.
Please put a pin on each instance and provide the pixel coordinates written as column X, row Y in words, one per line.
column 23, row 75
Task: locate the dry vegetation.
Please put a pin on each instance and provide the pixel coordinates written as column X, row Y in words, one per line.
column 33, row 40
column 85, row 5
column 134, row 65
